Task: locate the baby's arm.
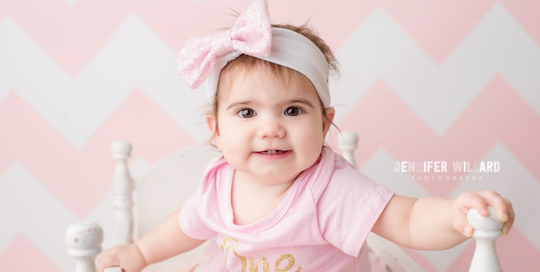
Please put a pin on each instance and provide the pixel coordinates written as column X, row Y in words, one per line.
column 165, row 241
column 434, row 223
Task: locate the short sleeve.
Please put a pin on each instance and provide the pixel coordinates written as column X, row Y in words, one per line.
column 349, row 207
column 190, row 220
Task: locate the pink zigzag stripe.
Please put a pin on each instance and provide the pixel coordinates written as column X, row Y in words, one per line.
column 79, row 178
column 22, row 255
column 72, row 34
column 498, row 114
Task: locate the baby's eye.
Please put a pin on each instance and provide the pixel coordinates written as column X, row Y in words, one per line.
column 246, row 113
column 293, row 111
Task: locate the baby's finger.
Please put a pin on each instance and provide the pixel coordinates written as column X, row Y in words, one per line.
column 473, row 200
column 106, row 260
column 511, row 214
column 464, row 227
column 113, row 269
column 495, row 200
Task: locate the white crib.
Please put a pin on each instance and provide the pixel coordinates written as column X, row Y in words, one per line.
column 165, row 187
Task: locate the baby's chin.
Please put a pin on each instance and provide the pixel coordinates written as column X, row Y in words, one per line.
column 277, row 175
column 285, row 169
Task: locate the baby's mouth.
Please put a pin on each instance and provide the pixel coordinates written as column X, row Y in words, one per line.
column 271, row 152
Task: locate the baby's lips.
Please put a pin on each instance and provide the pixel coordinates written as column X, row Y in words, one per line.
column 266, row 151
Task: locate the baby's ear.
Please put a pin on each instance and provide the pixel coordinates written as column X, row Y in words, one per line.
column 211, row 123
column 330, row 113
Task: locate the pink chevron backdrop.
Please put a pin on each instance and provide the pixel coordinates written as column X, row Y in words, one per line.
column 421, row 80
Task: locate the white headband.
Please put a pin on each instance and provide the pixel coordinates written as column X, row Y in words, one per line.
column 289, row 49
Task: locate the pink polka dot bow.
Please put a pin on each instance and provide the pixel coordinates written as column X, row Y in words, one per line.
column 251, row 35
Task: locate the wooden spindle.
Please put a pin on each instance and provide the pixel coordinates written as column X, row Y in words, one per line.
column 486, row 231
column 122, row 189
column 348, row 141
column 84, row 240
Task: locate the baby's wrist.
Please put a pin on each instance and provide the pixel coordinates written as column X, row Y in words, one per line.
column 143, row 258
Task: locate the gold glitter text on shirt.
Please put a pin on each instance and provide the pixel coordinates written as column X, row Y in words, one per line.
column 254, row 267
column 290, row 264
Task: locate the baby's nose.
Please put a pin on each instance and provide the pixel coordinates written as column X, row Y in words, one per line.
column 271, row 128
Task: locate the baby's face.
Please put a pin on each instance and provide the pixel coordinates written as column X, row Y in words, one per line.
column 260, row 113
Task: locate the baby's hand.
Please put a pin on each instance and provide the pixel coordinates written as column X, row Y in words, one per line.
column 128, row 257
column 479, row 200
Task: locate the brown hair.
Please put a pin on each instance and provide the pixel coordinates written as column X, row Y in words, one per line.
column 247, row 62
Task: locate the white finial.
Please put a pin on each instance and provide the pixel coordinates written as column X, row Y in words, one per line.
column 348, row 141
column 486, row 231
column 84, row 244
column 120, row 149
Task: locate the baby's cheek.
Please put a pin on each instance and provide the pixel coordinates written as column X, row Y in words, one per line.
column 310, row 143
column 233, row 145
column 238, row 149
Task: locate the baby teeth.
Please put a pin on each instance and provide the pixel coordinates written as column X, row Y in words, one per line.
column 271, row 152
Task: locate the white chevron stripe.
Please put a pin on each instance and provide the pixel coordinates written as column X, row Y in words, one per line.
column 136, row 57
column 437, row 93
column 380, row 168
column 70, row 2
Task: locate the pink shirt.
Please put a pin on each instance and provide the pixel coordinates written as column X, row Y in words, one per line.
column 320, row 225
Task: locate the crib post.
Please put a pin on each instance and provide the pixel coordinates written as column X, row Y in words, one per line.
column 84, row 244
column 122, row 189
column 348, row 141
column 486, row 231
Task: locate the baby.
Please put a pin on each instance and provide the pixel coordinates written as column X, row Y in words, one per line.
column 279, row 199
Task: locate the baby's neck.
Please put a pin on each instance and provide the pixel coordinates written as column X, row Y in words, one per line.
column 262, row 188
column 253, row 199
